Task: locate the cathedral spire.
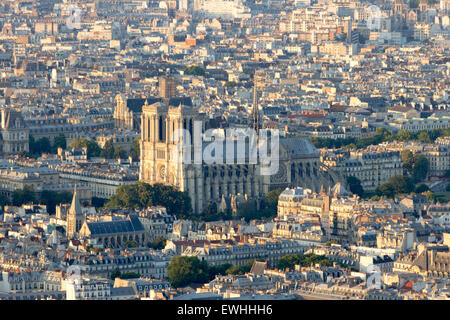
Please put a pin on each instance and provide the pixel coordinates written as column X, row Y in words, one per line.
column 75, row 208
column 256, row 121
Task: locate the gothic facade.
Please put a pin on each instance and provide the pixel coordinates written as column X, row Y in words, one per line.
column 299, row 161
column 14, row 133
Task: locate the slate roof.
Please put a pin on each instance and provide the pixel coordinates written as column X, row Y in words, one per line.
column 130, row 225
column 298, row 147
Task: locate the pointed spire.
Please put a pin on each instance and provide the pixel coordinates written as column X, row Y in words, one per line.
column 75, row 207
column 255, row 112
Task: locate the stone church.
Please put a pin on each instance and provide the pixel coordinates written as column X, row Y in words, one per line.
column 298, row 160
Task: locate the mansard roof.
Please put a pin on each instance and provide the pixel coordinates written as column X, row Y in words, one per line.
column 130, row 225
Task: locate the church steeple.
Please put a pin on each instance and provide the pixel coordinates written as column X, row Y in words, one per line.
column 75, row 207
column 75, row 215
column 256, row 119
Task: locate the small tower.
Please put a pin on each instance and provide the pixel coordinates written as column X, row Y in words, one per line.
column 256, row 119
column 74, row 216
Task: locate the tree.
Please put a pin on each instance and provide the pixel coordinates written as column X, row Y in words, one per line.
column 135, row 150
column 407, row 160
column 158, row 244
column 230, row 84
column 108, row 150
column 184, row 270
column 420, row 167
column 385, row 189
column 401, row 184
column 93, row 149
column 59, row 142
column 40, row 146
column 270, row 204
column 24, row 196
column 130, row 275
column 115, row 274
column 448, row 187
column 423, row 136
column 194, row 71
column 414, row 4
column 248, row 210
column 245, row 268
column 403, row 135
column 142, row 195
column 131, row 244
column 53, row 198
column 422, row 188
column 430, row 196
column 355, row 186
column 383, row 134
column 305, row 260
column 4, row 200
column 119, row 152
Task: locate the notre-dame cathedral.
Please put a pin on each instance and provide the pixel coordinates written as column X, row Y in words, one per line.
column 298, row 160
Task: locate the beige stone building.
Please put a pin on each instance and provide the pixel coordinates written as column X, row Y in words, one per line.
column 162, row 149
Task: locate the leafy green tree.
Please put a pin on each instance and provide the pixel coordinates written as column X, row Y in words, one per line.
column 59, row 142
column 230, row 84
column 430, row 196
column 158, row 244
column 40, row 146
column 194, row 71
column 420, row 168
column 305, row 260
column 53, row 198
column 115, row 274
column 135, row 150
column 422, row 188
column 131, row 244
column 108, row 150
column 401, row 184
column 403, row 135
column 93, row 149
column 407, row 160
column 24, row 196
column 130, row 275
column 235, row 270
column 184, row 270
column 414, row 4
column 143, row 195
column 423, row 136
column 4, row 200
column 119, row 152
column 385, row 189
column 270, row 204
column 355, row 186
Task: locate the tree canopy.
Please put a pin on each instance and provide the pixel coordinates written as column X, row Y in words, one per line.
column 142, row 195
column 184, row 270
column 290, row 260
